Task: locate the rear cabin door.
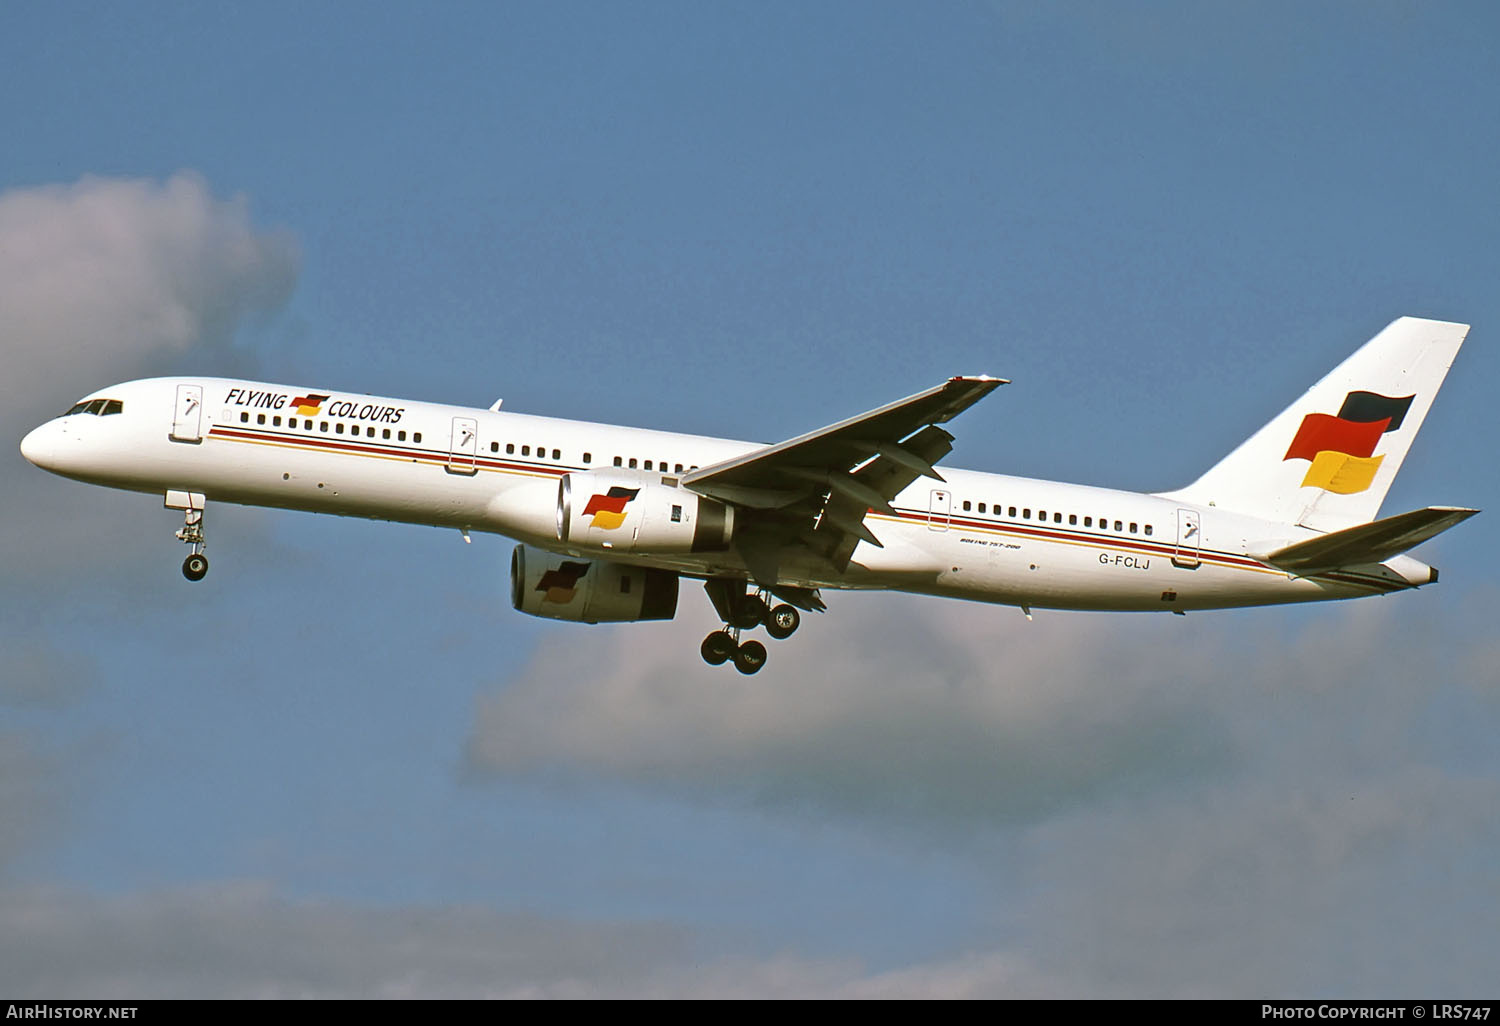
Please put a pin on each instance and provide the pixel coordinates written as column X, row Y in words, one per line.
column 464, row 446
column 940, row 508
column 187, row 419
column 1188, row 540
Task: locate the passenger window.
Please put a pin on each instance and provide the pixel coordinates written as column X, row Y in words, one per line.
column 1041, row 515
column 1057, row 518
column 677, row 469
column 494, row 447
column 632, row 463
column 291, row 422
column 323, row 426
column 1072, row 519
column 648, row 465
column 1133, row 529
column 385, row 432
column 416, row 436
column 339, row 428
column 1013, row 511
column 1088, row 521
column 981, row 507
column 400, row 436
column 619, row 462
column 966, row 505
column 1026, row 513
column 557, row 454
column 244, row 418
column 1119, row 526
column 588, row 457
column 369, row 432
column 1148, row 528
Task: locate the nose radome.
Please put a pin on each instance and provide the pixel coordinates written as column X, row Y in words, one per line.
column 37, row 445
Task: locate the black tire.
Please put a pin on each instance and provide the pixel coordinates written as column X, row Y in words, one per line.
column 717, row 648
column 752, row 612
column 750, row 657
column 783, row 622
column 194, row 567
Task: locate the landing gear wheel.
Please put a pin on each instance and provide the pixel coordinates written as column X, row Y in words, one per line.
column 752, row 612
column 750, row 657
column 195, row 566
column 717, row 648
column 783, row 621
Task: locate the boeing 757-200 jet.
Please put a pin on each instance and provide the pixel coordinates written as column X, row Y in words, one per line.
column 609, row 520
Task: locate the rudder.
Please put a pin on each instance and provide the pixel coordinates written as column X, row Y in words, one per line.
column 1327, row 461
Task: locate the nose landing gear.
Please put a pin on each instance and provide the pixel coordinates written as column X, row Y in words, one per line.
column 192, row 504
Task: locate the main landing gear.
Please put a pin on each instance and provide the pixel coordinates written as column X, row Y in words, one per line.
column 191, row 503
column 743, row 612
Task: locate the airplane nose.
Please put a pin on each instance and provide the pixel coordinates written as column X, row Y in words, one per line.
column 37, row 446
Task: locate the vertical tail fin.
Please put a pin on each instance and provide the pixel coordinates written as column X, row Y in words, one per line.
column 1327, row 460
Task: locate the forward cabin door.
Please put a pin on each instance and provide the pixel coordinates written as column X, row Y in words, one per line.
column 1188, row 540
column 187, row 419
column 464, row 446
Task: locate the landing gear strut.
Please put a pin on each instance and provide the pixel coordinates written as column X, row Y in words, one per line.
column 191, row 533
column 743, row 612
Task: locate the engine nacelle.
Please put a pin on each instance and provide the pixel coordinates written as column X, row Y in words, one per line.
column 631, row 511
column 589, row 590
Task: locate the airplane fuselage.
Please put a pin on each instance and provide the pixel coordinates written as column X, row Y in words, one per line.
column 978, row 536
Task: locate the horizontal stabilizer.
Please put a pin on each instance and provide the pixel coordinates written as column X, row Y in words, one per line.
column 1374, row 542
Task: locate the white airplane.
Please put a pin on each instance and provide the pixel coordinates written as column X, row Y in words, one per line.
column 610, row 519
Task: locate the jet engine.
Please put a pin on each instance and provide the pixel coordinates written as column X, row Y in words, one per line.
column 589, row 590
column 630, row 511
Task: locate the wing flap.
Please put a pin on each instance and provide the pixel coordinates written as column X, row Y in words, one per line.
column 778, row 475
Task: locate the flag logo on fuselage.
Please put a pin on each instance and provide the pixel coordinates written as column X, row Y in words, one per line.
column 1341, row 450
column 310, row 404
column 608, row 510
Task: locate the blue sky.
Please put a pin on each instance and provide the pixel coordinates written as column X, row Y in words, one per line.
column 342, row 765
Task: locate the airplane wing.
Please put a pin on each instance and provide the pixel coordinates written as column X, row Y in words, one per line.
column 818, row 487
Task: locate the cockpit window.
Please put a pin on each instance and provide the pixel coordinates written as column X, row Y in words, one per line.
column 98, row 407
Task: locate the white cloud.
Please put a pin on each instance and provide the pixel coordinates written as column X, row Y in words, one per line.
column 99, row 276
column 103, row 280
column 937, row 713
column 245, row 940
column 1296, row 802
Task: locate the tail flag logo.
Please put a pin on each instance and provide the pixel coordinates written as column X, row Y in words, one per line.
column 1341, row 450
column 561, row 585
column 608, row 510
column 310, row 404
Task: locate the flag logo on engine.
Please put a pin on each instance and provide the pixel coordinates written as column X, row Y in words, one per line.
column 608, row 510
column 561, row 584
